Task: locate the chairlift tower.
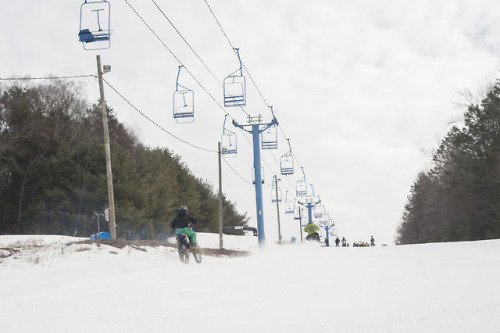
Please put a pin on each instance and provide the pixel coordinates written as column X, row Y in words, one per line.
column 255, row 126
column 310, row 204
column 329, row 229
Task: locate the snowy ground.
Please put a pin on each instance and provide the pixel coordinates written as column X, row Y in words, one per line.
column 52, row 287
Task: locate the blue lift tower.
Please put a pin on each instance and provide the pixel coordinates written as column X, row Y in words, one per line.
column 256, row 127
column 310, row 204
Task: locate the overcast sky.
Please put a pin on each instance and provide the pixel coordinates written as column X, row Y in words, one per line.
column 364, row 90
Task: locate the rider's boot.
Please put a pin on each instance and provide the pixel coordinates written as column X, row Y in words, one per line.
column 195, row 247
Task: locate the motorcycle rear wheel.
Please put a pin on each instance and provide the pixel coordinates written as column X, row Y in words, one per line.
column 183, row 254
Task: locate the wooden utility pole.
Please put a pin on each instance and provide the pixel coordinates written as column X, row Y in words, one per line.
column 107, row 151
column 300, row 225
column 221, row 213
column 277, row 208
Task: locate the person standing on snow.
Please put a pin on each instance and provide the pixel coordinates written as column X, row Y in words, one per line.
column 337, row 242
column 372, row 241
column 312, row 231
column 183, row 224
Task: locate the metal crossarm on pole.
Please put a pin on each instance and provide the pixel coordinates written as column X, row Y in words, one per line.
column 309, row 206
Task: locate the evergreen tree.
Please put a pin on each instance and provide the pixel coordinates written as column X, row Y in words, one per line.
column 459, row 199
column 53, row 175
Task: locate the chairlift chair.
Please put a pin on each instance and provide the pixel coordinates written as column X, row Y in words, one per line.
column 235, row 87
column 323, row 217
column 95, row 31
column 183, row 102
column 297, row 214
column 286, row 161
column 318, row 212
column 301, row 186
column 229, row 143
column 330, row 221
column 269, row 138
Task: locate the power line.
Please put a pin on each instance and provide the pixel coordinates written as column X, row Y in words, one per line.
column 179, row 61
column 129, row 103
column 47, row 77
column 119, row 94
column 156, row 124
column 169, row 133
column 208, row 69
column 260, row 93
column 230, row 167
column 201, row 60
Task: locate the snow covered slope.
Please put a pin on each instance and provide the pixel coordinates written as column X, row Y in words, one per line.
column 447, row 287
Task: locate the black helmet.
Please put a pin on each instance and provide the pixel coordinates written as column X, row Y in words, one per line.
column 183, row 209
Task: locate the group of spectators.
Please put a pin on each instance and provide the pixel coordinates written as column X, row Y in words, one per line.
column 312, row 234
column 362, row 244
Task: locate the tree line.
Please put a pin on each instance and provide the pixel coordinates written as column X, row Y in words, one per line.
column 53, row 172
column 458, row 199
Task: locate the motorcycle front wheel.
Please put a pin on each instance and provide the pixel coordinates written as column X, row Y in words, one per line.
column 197, row 254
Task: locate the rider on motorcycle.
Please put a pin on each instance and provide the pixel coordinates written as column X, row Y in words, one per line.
column 312, row 231
column 183, row 224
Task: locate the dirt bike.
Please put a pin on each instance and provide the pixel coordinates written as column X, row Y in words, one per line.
column 184, row 247
column 313, row 237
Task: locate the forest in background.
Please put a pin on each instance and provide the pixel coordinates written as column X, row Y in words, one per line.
column 53, row 171
column 458, row 199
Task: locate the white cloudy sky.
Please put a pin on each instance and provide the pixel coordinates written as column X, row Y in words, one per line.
column 363, row 89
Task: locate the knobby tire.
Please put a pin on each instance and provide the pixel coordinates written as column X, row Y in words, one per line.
column 197, row 255
column 184, row 254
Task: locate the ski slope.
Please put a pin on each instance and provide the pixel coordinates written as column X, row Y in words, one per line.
column 446, row 287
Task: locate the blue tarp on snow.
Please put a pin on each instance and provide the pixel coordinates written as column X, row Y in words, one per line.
column 101, row 235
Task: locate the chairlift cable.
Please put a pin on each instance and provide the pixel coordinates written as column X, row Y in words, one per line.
column 187, row 70
column 246, row 70
column 293, row 151
column 220, row 26
column 206, row 66
column 184, row 39
column 190, row 47
column 176, row 58
column 231, row 44
column 234, row 49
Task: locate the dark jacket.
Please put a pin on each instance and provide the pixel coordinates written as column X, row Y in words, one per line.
column 183, row 220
